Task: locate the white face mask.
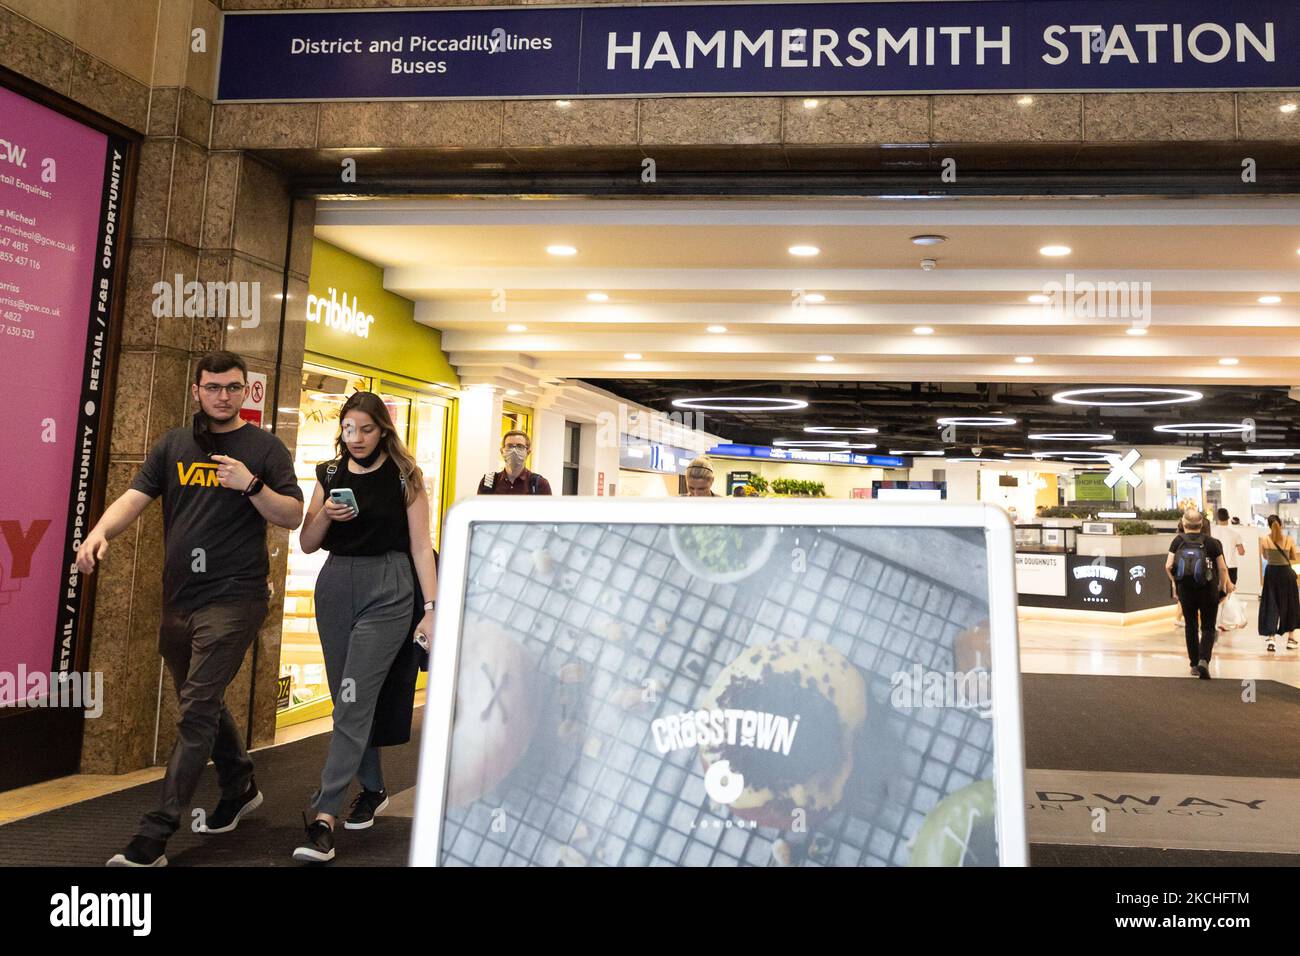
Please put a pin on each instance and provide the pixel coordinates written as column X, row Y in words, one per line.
column 515, row 457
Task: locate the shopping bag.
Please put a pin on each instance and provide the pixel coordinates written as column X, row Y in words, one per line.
column 1232, row 612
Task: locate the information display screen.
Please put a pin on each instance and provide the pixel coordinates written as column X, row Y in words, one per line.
column 656, row 693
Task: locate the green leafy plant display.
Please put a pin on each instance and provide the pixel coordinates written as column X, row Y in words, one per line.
column 1134, row 527
column 798, row 488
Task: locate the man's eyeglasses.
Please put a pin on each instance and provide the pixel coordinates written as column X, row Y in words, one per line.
column 234, row 388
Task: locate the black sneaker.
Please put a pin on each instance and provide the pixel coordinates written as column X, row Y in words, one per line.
column 141, row 851
column 1203, row 669
column 364, row 808
column 319, row 847
column 230, row 810
column 1196, row 671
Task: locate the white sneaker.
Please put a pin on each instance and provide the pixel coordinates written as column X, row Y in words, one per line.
column 1291, row 644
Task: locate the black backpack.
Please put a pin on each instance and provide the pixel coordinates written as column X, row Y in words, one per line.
column 488, row 486
column 1192, row 564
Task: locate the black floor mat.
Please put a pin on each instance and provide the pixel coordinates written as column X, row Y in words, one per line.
column 88, row 833
column 1072, row 722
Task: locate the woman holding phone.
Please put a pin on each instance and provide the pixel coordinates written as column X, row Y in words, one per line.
column 371, row 513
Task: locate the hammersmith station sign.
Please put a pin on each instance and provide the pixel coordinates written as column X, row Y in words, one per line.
column 679, row 49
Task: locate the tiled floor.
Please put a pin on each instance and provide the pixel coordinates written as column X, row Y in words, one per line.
column 1155, row 649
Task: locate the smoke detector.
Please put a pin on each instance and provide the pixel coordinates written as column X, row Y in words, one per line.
column 928, row 265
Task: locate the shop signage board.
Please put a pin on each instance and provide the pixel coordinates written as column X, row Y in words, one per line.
column 1040, row 574
column 351, row 316
column 810, row 457
column 62, row 196
column 710, row 49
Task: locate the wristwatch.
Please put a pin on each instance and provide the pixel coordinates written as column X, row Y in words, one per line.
column 253, row 488
column 428, row 605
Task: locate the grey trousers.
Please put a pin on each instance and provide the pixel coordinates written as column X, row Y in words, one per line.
column 363, row 614
column 203, row 649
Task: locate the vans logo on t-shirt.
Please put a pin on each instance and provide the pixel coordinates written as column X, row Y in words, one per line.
column 199, row 473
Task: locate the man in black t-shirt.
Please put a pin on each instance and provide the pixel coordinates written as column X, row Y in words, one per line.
column 1196, row 567
column 221, row 481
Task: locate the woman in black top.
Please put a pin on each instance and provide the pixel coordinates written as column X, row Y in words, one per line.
column 1279, row 604
column 364, row 598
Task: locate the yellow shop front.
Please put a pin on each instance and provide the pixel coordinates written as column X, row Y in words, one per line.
column 360, row 337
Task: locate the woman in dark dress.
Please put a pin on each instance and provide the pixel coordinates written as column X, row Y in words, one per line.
column 1279, row 601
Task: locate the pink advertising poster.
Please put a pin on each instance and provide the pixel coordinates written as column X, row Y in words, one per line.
column 61, row 194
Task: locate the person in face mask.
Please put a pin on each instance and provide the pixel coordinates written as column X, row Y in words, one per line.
column 514, row 479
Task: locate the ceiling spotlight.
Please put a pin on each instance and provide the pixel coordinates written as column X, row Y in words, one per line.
column 1070, row 436
column 1127, row 396
column 1024, row 360
column 741, row 403
column 1229, row 361
column 562, row 250
column 1039, row 299
column 810, row 104
column 978, row 421
column 804, row 251
column 1135, row 330
column 1203, row 428
column 1287, row 108
column 716, row 329
column 928, row 240
column 516, row 328
column 1055, row 251
column 1269, row 299
column 597, row 297
column 831, row 430
column 563, row 104
column 814, row 297
column 826, row 358
column 1025, row 101
column 512, row 391
column 923, row 330
column 632, row 356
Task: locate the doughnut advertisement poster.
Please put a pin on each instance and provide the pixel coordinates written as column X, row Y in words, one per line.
column 723, row 683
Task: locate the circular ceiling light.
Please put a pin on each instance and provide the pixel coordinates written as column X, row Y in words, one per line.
column 989, row 421
column 632, row 356
column 562, row 250
column 1135, row 330
column 810, row 104
column 1229, row 361
column 923, row 330
column 516, row 328
column 826, row 358
column 1070, row 436
column 1269, row 299
column 804, row 251
column 716, row 329
column 1039, row 299
column 740, row 403
column 597, row 297
column 1203, row 428
column 928, row 240
column 815, row 297
column 1024, row 360
column 1076, row 455
column 1055, row 251
column 786, row 443
column 1093, row 396
column 1287, row 108
column 831, row 430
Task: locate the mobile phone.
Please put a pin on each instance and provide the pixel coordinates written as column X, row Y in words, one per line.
column 345, row 496
column 422, row 640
